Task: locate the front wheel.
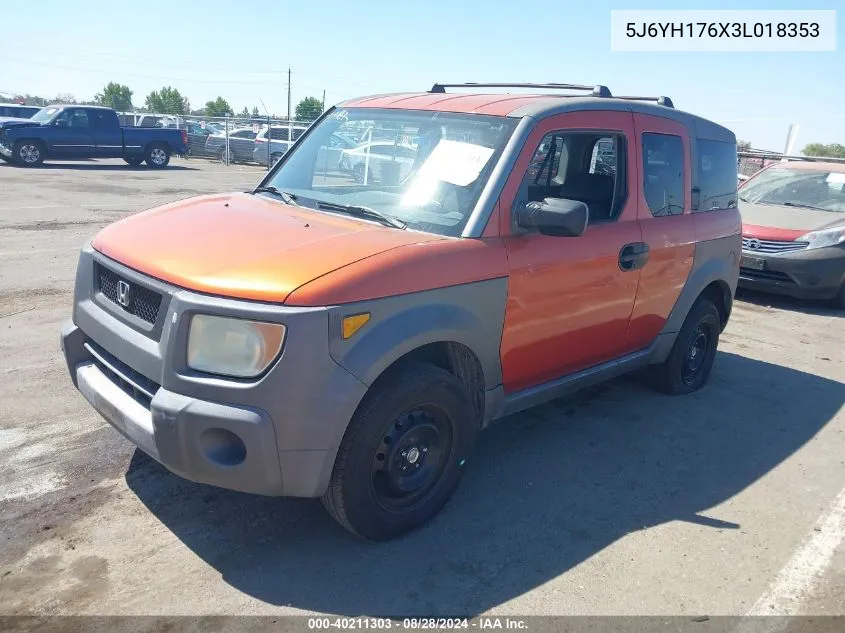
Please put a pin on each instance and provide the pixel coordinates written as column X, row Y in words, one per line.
column 688, row 365
column 158, row 156
column 839, row 299
column 28, row 153
column 404, row 453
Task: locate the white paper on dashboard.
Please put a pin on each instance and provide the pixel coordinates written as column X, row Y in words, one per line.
column 835, row 178
column 455, row 162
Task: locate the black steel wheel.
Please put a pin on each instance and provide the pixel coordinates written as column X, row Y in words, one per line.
column 687, row 368
column 403, row 454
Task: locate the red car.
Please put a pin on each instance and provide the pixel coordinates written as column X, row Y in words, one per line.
column 793, row 235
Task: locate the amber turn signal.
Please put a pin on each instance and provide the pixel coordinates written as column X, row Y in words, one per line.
column 352, row 324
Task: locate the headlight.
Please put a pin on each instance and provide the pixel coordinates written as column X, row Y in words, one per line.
column 233, row 347
column 827, row 237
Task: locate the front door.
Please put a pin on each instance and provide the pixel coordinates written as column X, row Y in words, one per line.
column 570, row 298
column 73, row 134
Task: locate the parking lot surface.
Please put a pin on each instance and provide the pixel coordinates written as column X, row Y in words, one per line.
column 618, row 500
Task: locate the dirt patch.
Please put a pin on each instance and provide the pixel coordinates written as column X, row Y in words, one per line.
column 56, row 225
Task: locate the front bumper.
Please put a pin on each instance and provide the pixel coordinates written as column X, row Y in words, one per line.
column 277, row 435
column 804, row 274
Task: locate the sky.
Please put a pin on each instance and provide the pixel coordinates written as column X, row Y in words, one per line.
column 242, row 51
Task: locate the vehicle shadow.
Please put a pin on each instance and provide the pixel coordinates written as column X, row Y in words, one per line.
column 781, row 302
column 548, row 489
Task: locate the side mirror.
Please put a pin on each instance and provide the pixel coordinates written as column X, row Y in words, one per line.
column 558, row 217
column 60, row 123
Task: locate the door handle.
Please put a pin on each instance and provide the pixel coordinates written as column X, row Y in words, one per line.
column 633, row 256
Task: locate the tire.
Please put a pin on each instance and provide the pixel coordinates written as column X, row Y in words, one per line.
column 403, row 454
column 688, row 365
column 274, row 158
column 28, row 153
column 222, row 155
column 133, row 161
column 158, row 156
column 839, row 299
column 358, row 174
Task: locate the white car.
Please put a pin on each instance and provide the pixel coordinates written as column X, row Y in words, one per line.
column 377, row 155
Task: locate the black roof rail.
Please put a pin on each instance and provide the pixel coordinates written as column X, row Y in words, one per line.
column 664, row 101
column 597, row 90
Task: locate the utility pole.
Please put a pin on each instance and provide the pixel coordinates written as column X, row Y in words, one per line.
column 288, row 93
column 323, row 107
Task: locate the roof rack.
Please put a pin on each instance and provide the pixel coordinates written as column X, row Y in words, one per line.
column 664, row 101
column 597, row 90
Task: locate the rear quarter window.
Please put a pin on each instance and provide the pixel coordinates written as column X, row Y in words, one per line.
column 663, row 180
column 716, row 173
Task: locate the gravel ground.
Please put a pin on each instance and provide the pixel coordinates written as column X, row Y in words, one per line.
column 616, row 501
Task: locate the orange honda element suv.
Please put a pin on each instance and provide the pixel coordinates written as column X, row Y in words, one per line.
column 415, row 267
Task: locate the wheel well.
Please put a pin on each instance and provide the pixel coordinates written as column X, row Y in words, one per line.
column 458, row 360
column 720, row 294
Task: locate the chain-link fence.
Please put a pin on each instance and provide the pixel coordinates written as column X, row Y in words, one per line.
column 231, row 140
column 750, row 162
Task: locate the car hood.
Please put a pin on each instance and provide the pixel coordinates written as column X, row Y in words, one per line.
column 789, row 219
column 244, row 246
column 8, row 121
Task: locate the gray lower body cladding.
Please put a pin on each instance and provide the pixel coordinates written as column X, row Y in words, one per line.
column 277, row 435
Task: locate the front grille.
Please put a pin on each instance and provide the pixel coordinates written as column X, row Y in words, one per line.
column 142, row 302
column 753, row 245
column 765, row 275
column 137, row 386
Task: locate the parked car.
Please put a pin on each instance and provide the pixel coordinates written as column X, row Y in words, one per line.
column 17, row 111
column 793, row 235
column 71, row 132
column 348, row 341
column 197, row 137
column 280, row 139
column 374, row 156
column 329, row 154
column 241, row 143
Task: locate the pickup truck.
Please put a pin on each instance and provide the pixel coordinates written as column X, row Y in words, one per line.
column 71, row 132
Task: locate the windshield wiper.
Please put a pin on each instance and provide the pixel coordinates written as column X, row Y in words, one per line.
column 802, row 206
column 287, row 198
column 363, row 212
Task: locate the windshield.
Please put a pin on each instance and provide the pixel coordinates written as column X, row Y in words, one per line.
column 817, row 189
column 44, row 114
column 426, row 169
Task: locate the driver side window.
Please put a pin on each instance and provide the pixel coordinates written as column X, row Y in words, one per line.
column 584, row 166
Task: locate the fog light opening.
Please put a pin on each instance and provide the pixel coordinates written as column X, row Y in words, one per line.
column 222, row 447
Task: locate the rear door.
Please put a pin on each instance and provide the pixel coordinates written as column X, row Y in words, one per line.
column 570, row 299
column 663, row 198
column 108, row 137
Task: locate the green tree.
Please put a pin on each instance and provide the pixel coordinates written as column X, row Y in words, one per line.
column 743, row 146
column 218, row 107
column 65, row 97
column 245, row 112
column 309, row 109
column 833, row 150
column 167, row 101
column 255, row 111
column 115, row 95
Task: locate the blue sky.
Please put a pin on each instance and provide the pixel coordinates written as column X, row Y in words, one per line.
column 241, row 51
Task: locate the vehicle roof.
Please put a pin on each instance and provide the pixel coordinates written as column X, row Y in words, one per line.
column 77, row 105
column 536, row 106
column 814, row 165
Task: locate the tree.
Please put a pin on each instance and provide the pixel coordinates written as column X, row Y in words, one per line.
column 167, row 101
column 65, row 97
column 743, row 146
column 309, row 109
column 245, row 112
column 115, row 95
column 833, row 150
column 255, row 111
column 218, row 107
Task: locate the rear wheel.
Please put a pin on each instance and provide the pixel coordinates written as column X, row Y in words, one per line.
column 403, row 455
column 28, row 153
column 158, row 156
column 133, row 161
column 222, row 155
column 688, row 365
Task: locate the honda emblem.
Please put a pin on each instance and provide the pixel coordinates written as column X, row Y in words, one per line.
column 123, row 293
